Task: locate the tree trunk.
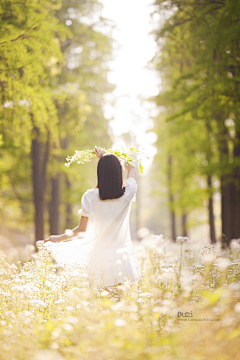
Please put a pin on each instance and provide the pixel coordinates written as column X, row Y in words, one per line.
column 39, row 165
column 137, row 206
column 54, row 204
column 230, row 190
column 225, row 184
column 171, row 200
column 236, row 189
column 68, row 205
column 226, row 190
column 184, row 224
column 236, row 209
column 211, row 212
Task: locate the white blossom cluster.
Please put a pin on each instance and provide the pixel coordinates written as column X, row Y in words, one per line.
column 182, row 239
column 208, row 249
column 80, row 157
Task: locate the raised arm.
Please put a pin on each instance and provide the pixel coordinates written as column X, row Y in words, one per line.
column 131, row 170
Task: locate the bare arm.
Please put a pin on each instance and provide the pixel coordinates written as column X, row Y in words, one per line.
column 83, row 221
column 82, row 226
column 131, row 170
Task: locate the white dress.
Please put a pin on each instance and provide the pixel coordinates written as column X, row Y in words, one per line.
column 106, row 250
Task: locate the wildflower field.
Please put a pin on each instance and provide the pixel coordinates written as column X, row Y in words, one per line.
column 186, row 307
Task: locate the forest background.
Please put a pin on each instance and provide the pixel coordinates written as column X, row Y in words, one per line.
column 55, row 59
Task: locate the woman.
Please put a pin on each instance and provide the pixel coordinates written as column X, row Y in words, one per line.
column 106, row 249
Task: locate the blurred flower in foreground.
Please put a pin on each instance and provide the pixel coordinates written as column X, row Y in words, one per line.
column 208, row 258
column 208, row 249
column 222, row 263
column 143, row 232
column 46, row 354
column 182, row 239
column 237, row 308
column 235, row 244
column 120, row 322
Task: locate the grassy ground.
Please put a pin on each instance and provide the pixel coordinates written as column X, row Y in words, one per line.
column 53, row 313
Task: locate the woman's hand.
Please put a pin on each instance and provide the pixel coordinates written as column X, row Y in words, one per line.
column 131, row 170
column 53, row 238
column 129, row 166
column 99, row 151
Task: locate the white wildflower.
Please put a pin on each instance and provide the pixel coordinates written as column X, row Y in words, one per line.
column 59, row 301
column 235, row 244
column 71, row 320
column 157, row 309
column 208, row 258
column 237, row 308
column 38, row 303
column 117, row 306
column 222, row 264
column 120, row 322
column 182, row 239
column 208, row 249
column 47, row 354
column 67, row 327
column 143, row 232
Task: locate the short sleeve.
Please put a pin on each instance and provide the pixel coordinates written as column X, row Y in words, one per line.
column 85, row 206
column 130, row 188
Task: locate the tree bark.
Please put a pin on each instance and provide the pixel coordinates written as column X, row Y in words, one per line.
column 54, row 205
column 138, row 206
column 236, row 189
column 226, row 210
column 225, row 184
column 68, row 205
column 184, row 224
column 211, row 212
column 230, row 189
column 39, row 166
column 171, row 200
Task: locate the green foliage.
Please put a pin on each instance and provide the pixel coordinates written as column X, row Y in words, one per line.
column 198, row 61
column 30, row 38
column 53, row 82
column 30, row 34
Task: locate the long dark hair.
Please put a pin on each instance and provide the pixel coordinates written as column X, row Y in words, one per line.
column 110, row 177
